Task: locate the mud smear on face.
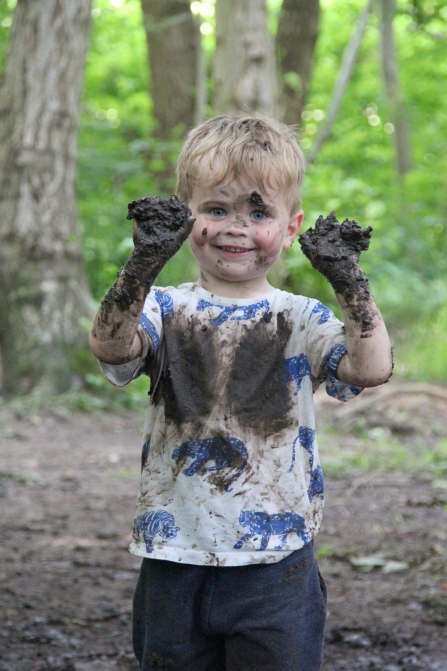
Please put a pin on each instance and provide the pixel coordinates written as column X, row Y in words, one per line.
column 257, row 393
column 262, row 261
column 334, row 251
column 240, row 221
column 161, row 226
column 256, row 199
column 188, row 384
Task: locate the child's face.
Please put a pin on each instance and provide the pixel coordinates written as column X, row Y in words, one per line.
column 238, row 237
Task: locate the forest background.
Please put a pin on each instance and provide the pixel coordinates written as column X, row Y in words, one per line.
column 123, row 156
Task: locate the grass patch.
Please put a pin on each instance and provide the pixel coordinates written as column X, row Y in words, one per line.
column 423, row 356
column 346, row 455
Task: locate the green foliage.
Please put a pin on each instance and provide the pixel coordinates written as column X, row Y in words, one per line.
column 119, row 159
column 355, row 176
column 6, row 16
column 424, row 355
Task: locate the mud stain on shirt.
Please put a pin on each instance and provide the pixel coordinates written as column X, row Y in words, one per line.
column 187, row 385
column 257, row 392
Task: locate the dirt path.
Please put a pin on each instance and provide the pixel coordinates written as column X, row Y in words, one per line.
column 68, row 485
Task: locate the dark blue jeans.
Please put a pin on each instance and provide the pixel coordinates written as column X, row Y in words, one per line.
column 261, row 617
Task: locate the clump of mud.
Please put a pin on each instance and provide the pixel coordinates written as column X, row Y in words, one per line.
column 165, row 214
column 161, row 227
column 334, row 250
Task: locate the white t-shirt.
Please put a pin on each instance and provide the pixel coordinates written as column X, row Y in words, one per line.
column 230, row 467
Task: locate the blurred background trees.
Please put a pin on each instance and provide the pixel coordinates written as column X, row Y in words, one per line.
column 244, row 61
column 173, row 42
column 295, row 46
column 382, row 162
column 44, row 291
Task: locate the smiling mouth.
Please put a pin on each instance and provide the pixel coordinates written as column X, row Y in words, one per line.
column 234, row 250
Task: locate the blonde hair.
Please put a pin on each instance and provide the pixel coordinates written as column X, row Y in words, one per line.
column 228, row 147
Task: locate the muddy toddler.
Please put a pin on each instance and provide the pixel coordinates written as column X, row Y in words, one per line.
column 231, row 493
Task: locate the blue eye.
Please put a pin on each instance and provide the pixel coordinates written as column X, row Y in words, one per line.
column 218, row 212
column 258, row 215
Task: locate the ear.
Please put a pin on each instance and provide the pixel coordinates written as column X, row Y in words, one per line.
column 293, row 228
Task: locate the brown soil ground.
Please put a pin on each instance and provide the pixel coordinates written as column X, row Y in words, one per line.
column 68, row 485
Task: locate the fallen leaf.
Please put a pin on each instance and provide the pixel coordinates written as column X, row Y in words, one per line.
column 395, row 566
column 439, row 484
column 367, row 563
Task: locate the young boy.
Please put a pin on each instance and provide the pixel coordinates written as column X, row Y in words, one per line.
column 231, row 492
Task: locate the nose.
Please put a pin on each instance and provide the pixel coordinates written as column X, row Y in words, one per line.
column 237, row 226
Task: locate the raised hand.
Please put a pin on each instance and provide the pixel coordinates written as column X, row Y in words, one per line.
column 160, row 228
column 331, row 242
column 334, row 250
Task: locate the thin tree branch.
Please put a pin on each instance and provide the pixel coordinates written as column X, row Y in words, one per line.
column 200, row 100
column 392, row 88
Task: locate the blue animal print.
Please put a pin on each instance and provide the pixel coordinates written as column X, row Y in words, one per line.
column 325, row 313
column 266, row 526
column 165, row 301
column 335, row 388
column 154, row 523
column 296, row 368
column 316, row 485
column 342, row 391
column 224, row 452
column 228, row 312
column 332, row 359
column 145, row 453
column 306, row 437
column 152, row 331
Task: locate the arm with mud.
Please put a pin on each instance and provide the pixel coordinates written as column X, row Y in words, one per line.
column 334, row 251
column 159, row 230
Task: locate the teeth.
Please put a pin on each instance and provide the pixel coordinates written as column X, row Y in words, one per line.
column 235, row 249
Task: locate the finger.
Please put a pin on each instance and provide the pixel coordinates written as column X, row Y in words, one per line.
column 187, row 227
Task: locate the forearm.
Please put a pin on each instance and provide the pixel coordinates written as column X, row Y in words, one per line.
column 160, row 228
column 334, row 251
column 368, row 360
column 114, row 334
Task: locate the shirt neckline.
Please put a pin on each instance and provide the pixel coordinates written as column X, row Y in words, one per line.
column 222, row 300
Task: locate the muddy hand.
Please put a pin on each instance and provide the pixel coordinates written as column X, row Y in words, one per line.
column 160, row 228
column 334, row 249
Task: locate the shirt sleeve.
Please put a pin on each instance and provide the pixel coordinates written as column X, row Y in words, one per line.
column 150, row 330
column 325, row 346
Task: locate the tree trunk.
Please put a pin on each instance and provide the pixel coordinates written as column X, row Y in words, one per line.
column 44, row 288
column 392, row 88
column 173, row 41
column 244, row 65
column 295, row 41
column 343, row 77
